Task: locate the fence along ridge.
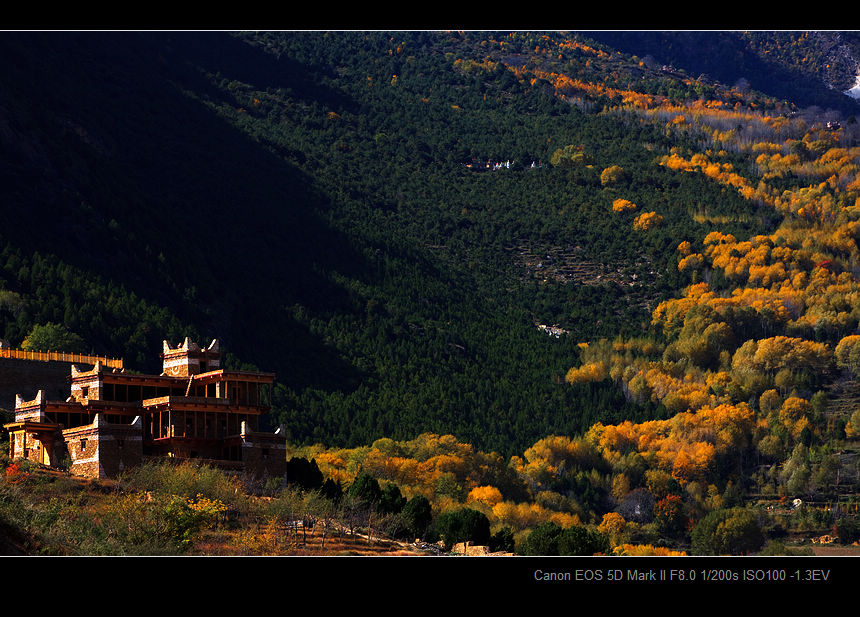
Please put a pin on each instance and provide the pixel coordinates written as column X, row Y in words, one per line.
column 59, row 356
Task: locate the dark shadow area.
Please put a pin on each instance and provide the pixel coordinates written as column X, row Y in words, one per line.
column 233, row 58
column 113, row 163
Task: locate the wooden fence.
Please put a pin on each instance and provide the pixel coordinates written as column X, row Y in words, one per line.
column 59, row 356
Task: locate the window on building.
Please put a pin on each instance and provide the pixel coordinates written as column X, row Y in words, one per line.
column 83, row 445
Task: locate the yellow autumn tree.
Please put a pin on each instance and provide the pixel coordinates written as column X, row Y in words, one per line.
column 694, row 261
column 519, row 516
column 794, row 414
column 646, row 550
column 489, row 495
column 612, row 175
column 623, row 205
column 647, row 220
column 593, row 371
column 847, row 353
column 615, row 527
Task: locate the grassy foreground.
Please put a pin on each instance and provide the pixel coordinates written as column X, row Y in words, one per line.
column 164, row 509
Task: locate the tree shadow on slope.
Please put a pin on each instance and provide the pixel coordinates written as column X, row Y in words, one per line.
column 132, row 177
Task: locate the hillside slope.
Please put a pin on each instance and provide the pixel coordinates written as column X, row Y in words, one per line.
column 305, row 198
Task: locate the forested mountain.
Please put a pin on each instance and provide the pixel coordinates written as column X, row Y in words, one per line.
column 308, row 203
column 387, row 219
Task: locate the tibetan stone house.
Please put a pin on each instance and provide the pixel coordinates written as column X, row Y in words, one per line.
column 114, row 420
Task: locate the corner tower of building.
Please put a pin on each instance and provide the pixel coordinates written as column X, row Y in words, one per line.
column 190, row 359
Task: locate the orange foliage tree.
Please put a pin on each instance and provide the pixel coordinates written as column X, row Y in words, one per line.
column 647, row 220
column 623, row 205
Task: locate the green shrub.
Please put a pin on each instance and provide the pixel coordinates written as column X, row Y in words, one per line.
column 465, row 525
column 185, row 480
column 735, row 531
column 551, row 539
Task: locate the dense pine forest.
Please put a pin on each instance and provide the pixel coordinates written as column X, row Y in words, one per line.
column 568, row 281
